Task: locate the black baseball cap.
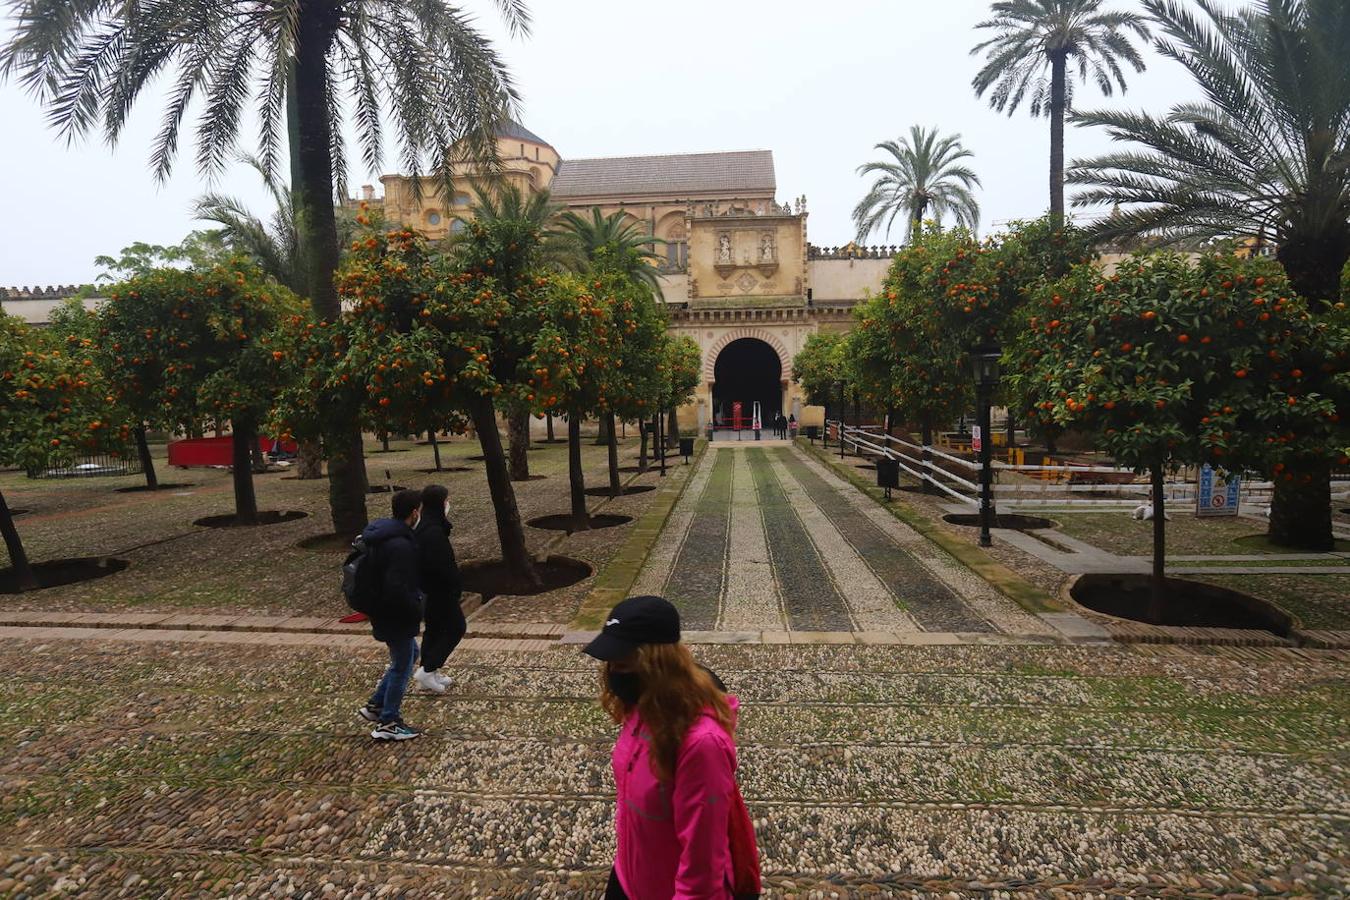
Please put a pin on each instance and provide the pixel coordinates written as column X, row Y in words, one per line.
column 634, row 622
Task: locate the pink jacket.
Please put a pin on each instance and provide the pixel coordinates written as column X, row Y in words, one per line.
column 673, row 838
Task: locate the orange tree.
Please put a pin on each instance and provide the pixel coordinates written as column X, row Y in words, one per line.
column 50, row 413
column 185, row 344
column 909, row 329
column 818, row 367
column 681, row 370
column 425, row 334
column 1172, row 362
column 633, row 377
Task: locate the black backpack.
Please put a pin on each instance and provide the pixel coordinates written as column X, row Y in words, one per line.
column 361, row 578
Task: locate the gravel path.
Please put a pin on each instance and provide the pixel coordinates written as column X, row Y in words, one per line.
column 172, row 770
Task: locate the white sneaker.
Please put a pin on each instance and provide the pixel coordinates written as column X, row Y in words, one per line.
column 428, row 681
column 443, row 678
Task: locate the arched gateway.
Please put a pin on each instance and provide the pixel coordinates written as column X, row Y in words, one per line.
column 747, row 367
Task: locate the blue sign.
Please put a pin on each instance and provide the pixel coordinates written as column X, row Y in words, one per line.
column 1216, row 497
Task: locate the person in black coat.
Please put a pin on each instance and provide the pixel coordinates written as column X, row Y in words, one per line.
column 440, row 581
column 397, row 616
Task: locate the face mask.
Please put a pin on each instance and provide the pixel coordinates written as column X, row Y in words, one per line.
column 627, row 686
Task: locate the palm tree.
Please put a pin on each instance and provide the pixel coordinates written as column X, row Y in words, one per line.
column 1266, row 154
column 616, row 237
column 88, row 61
column 520, row 221
column 925, row 177
column 1033, row 35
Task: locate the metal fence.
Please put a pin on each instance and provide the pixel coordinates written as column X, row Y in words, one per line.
column 96, row 465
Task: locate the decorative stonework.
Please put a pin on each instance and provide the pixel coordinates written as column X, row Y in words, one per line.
column 711, row 354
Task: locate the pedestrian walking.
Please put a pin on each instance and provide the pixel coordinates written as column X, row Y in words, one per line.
column 445, row 625
column 792, row 427
column 683, row 829
column 397, row 615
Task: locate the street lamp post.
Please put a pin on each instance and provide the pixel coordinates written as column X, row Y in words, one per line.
column 984, row 360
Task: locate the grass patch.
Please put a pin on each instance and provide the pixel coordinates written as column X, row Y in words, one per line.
column 1318, row 601
column 1120, row 533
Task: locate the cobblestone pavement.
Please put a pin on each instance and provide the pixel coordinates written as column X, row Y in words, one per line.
column 768, row 539
column 184, row 769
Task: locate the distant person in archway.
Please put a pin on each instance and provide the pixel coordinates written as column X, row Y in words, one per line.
column 792, row 427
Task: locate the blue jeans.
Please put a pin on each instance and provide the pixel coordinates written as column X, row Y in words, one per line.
column 389, row 695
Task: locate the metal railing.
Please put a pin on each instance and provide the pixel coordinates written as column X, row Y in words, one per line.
column 932, row 466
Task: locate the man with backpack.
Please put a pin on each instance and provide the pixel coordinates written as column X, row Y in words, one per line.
column 383, row 578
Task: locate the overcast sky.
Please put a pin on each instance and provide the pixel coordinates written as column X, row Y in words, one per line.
column 818, row 84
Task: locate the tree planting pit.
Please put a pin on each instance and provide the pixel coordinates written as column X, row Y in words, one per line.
column 326, row 543
column 58, row 572
column 623, row 492
column 1011, row 521
column 566, row 522
column 145, row 488
column 266, row 517
column 443, row 470
column 1187, row 603
column 385, row 488
column 494, row 578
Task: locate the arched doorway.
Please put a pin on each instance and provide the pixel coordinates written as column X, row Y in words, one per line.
column 746, row 370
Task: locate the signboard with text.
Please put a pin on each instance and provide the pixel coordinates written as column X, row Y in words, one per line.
column 1215, row 496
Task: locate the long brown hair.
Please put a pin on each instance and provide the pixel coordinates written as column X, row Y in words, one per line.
column 675, row 692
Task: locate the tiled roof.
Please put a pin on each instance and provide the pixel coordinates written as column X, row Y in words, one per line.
column 675, row 175
column 520, row 133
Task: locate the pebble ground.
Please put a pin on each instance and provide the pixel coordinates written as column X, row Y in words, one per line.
column 150, row 770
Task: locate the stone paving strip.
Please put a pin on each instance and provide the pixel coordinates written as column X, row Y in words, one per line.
column 810, row 596
column 699, row 571
column 873, row 606
column 752, row 595
column 660, row 560
column 1029, row 771
column 932, row 603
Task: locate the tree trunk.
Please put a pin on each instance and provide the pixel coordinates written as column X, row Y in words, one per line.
column 518, row 427
column 1012, row 430
column 1300, row 512
column 347, row 481
column 147, row 461
column 310, row 461
column 602, row 433
column 1157, row 594
column 314, row 34
column 384, row 441
column 615, row 489
column 642, row 451
column 259, row 461
column 576, row 478
column 435, row 447
column 18, row 559
column 1058, row 101
column 548, row 424
column 510, row 531
column 672, row 432
column 1314, row 266
column 243, row 440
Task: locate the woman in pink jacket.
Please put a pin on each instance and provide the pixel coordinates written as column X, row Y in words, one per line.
column 674, row 761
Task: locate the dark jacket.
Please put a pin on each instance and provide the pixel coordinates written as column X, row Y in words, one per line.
column 438, row 571
column 398, row 615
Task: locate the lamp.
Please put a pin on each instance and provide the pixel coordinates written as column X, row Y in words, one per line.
column 984, row 364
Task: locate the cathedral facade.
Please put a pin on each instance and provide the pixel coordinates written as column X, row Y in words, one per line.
column 738, row 274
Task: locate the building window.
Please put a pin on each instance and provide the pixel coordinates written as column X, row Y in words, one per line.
column 456, row 226
column 433, row 218
column 461, row 199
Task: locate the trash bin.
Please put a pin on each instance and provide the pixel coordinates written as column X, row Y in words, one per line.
column 686, row 448
column 888, row 474
column 812, row 433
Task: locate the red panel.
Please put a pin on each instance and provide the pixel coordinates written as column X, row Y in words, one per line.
column 214, row 451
